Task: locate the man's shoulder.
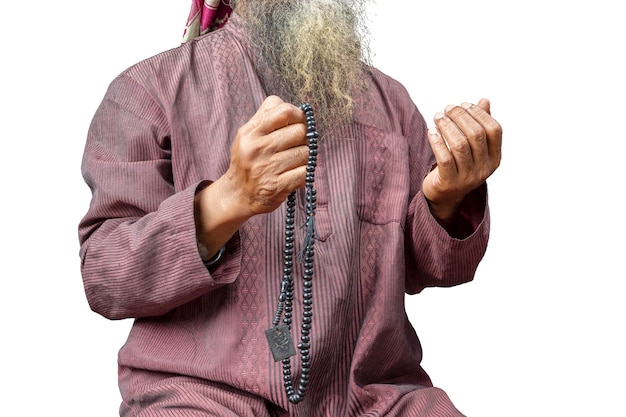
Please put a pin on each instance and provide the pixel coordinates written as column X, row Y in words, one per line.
column 182, row 57
column 386, row 82
column 190, row 68
column 386, row 103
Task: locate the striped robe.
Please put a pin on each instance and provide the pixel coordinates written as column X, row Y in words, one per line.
column 197, row 345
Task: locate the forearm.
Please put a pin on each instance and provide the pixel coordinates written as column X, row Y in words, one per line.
column 137, row 267
column 268, row 161
column 217, row 215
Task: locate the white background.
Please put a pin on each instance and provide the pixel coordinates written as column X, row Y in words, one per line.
column 540, row 332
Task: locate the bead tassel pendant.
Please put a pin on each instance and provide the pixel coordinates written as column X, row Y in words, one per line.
column 279, row 336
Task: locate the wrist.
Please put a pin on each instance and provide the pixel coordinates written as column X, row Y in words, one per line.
column 206, row 257
column 216, row 219
column 444, row 212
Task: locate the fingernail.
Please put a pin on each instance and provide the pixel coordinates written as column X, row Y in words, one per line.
column 466, row 105
column 449, row 107
column 433, row 130
column 439, row 115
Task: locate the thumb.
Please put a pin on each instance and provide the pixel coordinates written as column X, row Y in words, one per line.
column 485, row 105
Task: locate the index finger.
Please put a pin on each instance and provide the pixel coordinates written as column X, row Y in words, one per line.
column 275, row 114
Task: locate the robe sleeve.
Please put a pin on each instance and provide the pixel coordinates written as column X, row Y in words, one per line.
column 138, row 249
column 436, row 256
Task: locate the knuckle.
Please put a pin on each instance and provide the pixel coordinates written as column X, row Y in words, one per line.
column 461, row 147
column 476, row 134
column 303, row 153
column 495, row 129
column 272, row 101
column 268, row 190
column 299, row 130
column 245, row 130
column 445, row 161
column 284, row 110
column 495, row 164
column 246, row 147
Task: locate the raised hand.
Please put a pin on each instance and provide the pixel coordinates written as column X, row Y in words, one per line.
column 268, row 161
column 268, row 157
column 466, row 142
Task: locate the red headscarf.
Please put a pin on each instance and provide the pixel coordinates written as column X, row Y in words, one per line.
column 205, row 16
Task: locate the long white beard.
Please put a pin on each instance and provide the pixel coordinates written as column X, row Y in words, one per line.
column 311, row 50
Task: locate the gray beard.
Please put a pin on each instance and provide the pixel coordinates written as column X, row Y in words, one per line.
column 312, row 51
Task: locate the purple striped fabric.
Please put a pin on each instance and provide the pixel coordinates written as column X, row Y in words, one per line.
column 197, row 346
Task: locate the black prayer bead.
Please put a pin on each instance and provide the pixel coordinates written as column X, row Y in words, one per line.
column 285, row 299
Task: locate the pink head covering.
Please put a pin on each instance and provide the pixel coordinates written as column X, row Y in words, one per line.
column 205, row 16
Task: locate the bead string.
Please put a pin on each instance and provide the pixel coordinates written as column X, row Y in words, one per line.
column 279, row 335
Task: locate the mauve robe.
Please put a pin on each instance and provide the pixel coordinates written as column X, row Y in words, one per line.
column 165, row 127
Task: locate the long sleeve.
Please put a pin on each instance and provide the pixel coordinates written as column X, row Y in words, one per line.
column 435, row 257
column 168, row 124
column 138, row 247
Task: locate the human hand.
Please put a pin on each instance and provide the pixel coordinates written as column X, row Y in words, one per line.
column 466, row 142
column 268, row 161
column 268, row 158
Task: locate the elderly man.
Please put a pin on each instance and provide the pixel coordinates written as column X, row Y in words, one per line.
column 264, row 246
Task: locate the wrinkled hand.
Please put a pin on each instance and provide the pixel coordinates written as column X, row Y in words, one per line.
column 268, row 157
column 466, row 142
column 268, row 161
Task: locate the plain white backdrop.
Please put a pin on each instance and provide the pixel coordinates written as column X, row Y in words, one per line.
column 540, row 332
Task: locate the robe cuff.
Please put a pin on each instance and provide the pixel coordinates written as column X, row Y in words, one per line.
column 469, row 215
